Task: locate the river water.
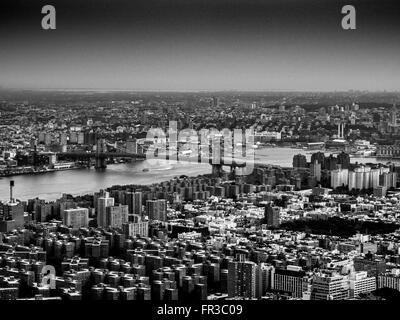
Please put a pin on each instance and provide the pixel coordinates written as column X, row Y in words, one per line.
column 50, row 186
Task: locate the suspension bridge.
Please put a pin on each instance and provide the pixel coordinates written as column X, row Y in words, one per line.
column 101, row 154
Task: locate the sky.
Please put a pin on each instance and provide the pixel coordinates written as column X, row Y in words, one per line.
column 191, row 45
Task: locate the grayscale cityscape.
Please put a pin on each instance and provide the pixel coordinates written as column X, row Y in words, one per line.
column 221, row 151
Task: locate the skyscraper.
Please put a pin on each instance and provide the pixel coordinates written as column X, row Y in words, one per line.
column 319, row 157
column 299, row 161
column 343, row 159
column 242, row 279
column 134, row 202
column 157, row 209
column 272, row 216
column 331, row 163
column 339, row 178
column 103, row 202
column 315, row 169
column 116, row 216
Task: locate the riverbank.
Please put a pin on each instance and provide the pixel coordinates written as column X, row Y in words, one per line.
column 35, row 172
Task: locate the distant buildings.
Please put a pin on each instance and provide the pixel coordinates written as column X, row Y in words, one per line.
column 267, row 136
column 363, row 177
column 372, row 266
column 11, row 213
column 330, row 286
column 136, row 227
column 116, row 216
column 11, row 216
column 76, row 218
column 103, row 201
column 315, row 170
column 299, row 161
column 338, row 172
column 134, row 202
column 339, row 178
column 272, row 216
column 157, row 209
column 243, row 279
column 360, row 282
column 390, row 280
column 291, row 280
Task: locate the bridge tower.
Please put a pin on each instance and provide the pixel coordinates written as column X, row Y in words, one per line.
column 35, row 156
column 100, row 159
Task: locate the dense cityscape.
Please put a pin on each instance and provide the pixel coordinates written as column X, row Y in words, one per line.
column 326, row 227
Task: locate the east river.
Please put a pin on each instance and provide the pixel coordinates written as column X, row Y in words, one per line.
column 50, row 186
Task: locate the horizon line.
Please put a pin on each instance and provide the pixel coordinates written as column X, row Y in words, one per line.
column 191, row 90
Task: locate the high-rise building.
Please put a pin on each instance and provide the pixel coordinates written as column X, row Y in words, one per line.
column 388, row 179
column 299, row 161
column 374, row 178
column 157, row 209
column 315, row 169
column 389, row 280
column 359, row 178
column 292, row 280
column 242, row 279
column 367, row 178
column 352, row 180
column 134, row 202
column 137, row 226
column 339, row 178
column 103, row 201
column 330, row 286
column 267, row 277
column 116, row 216
column 360, row 282
column 76, row 218
column 319, row 157
column 11, row 216
column 330, row 163
column 11, row 213
column 343, row 159
column 272, row 216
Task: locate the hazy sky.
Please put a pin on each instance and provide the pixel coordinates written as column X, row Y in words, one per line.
column 200, row 45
